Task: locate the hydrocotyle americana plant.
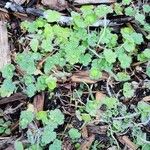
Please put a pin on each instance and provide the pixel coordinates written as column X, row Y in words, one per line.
column 53, row 51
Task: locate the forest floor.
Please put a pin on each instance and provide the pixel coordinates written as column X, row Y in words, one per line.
column 74, row 75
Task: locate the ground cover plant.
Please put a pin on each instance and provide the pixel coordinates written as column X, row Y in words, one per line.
column 114, row 95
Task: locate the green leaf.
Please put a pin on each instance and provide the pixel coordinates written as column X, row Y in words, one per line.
column 140, row 18
column 137, row 37
column 8, row 71
column 110, row 102
column 51, row 82
column 30, row 90
column 56, row 116
column 47, row 45
column 18, row 145
column 95, row 73
column 92, row 107
column 144, row 109
column 86, row 117
column 118, row 9
column 126, row 2
column 85, row 59
column 28, row 79
column 56, row 145
column 52, row 16
column 74, row 134
column 7, row 88
column 34, row 44
column 43, row 116
column 110, row 56
column 87, row 9
column 48, row 135
column 26, row 117
column 78, row 20
column 103, row 10
column 129, row 11
column 41, row 83
column 146, row 53
column 125, row 60
column 148, row 71
column 26, row 62
column 146, row 8
column 128, row 91
column 123, row 76
column 129, row 45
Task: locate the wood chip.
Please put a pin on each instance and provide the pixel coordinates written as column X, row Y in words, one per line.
column 4, row 46
column 81, row 2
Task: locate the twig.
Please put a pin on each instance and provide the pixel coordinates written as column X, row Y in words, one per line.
column 107, row 86
column 128, row 116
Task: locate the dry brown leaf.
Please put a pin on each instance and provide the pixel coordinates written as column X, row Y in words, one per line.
column 87, row 144
column 38, row 102
column 55, row 4
column 146, row 99
column 83, row 76
column 126, row 141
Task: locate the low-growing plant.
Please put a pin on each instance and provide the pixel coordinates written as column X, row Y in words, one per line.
column 53, row 51
column 45, row 135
